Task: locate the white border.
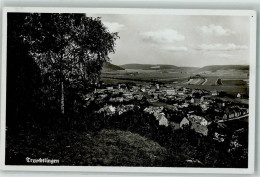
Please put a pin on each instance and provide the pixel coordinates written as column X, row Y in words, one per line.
column 159, row 170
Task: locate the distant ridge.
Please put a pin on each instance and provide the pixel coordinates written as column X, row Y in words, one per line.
column 148, row 66
column 223, row 67
column 212, row 68
column 111, row 67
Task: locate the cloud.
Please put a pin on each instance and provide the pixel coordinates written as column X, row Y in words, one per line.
column 113, row 26
column 224, row 55
column 215, row 30
column 222, row 47
column 163, row 36
column 175, row 48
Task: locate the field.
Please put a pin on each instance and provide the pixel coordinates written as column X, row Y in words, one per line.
column 134, row 75
column 197, row 81
column 230, row 81
column 210, row 81
column 233, row 82
column 230, row 73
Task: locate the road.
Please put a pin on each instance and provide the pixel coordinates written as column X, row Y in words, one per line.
column 206, row 80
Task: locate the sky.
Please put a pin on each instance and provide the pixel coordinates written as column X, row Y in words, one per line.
column 194, row 41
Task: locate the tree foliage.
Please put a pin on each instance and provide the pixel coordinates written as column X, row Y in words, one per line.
column 70, row 49
column 23, row 78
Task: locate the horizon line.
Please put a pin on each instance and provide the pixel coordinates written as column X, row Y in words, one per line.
column 182, row 65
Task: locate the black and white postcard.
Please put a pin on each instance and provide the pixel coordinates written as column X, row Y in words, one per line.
column 128, row 90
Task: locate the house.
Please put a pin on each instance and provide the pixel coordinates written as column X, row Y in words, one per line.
column 163, row 88
column 158, row 114
column 157, row 86
column 116, row 92
column 119, row 99
column 185, row 105
column 217, row 110
column 152, row 109
column 124, row 108
column 170, row 92
column 152, row 100
column 143, row 89
column 138, row 97
column 214, row 93
column 187, row 99
column 204, row 106
column 204, row 122
column 128, row 95
column 162, row 120
column 202, row 129
column 110, row 88
column 244, row 111
column 185, row 90
column 181, row 93
column 190, row 112
column 122, row 87
column 112, row 99
column 177, row 122
column 236, row 113
column 231, row 115
column 107, row 110
column 153, row 88
column 184, row 122
column 112, row 109
column 225, row 116
column 100, row 91
column 88, row 97
column 195, row 100
column 198, row 119
column 155, row 95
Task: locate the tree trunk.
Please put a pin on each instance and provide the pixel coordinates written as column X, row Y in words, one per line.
column 62, row 99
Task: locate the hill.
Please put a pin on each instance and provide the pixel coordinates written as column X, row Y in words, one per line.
column 148, row 66
column 214, row 68
column 111, row 67
column 116, row 148
column 106, row 148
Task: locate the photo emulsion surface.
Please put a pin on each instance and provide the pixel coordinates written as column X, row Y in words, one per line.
column 133, row 90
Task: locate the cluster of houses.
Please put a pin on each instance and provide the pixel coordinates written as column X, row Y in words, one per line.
column 111, row 110
column 158, row 114
column 198, row 108
column 234, row 111
column 199, row 124
column 208, row 101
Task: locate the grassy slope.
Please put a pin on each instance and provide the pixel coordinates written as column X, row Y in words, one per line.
column 224, row 67
column 111, row 67
column 107, row 147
